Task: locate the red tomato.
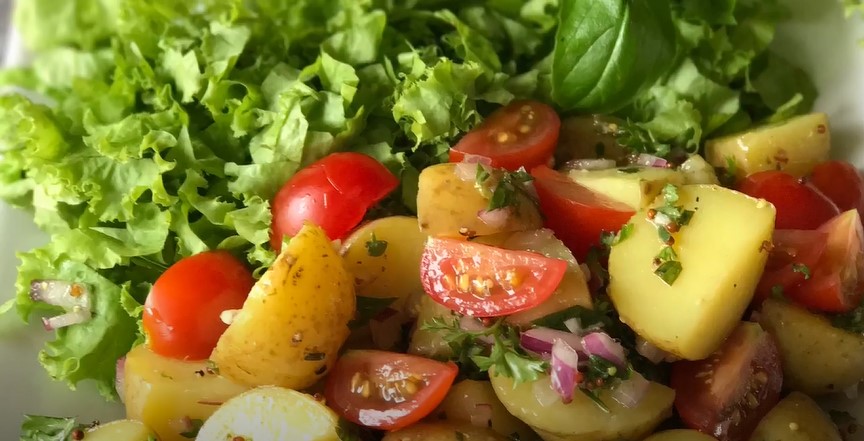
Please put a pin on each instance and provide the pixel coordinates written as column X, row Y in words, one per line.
column 576, row 214
column 333, row 193
column 387, row 390
column 799, row 206
column 727, row 394
column 840, row 182
column 181, row 314
column 485, row 281
column 521, row 134
column 793, row 251
column 836, row 281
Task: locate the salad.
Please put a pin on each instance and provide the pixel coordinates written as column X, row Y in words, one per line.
column 433, row 220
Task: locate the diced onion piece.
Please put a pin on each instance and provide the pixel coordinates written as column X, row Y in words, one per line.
column 542, row 241
column 564, row 370
column 467, row 171
column 588, row 164
column 482, row 415
column 496, row 218
column 630, row 392
column 66, row 295
column 573, row 325
column 648, row 350
column 541, row 340
column 650, row 161
column 600, row 344
column 120, row 378
column 477, row 159
column 74, row 317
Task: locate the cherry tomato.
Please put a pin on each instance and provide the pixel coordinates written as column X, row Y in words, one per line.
column 181, row 314
column 799, row 206
column 835, row 282
column 793, row 254
column 521, row 134
column 841, row 182
column 576, row 214
column 727, row 394
column 387, row 390
column 334, row 193
column 485, row 281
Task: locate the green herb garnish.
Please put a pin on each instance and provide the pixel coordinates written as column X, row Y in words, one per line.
column 669, row 218
column 801, row 269
column 508, row 189
column 375, row 247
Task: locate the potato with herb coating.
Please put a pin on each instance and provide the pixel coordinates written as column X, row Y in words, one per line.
column 470, row 401
column 796, row 418
column 294, row 321
column 126, row 430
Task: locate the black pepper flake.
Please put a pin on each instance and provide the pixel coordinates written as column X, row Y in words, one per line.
column 199, row 373
column 314, row 356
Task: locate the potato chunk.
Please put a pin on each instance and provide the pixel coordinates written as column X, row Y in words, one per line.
column 295, row 319
column 444, row 431
column 796, row 418
column 722, row 255
column 463, row 403
column 794, row 146
column 126, row 430
column 680, row 435
column 635, row 187
column 698, row 171
column 804, row 338
column 427, row 343
column 163, row 392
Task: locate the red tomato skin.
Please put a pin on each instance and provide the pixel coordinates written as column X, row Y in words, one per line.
column 576, row 214
column 791, row 248
column 181, row 313
column 333, row 193
column 709, row 393
column 799, row 206
column 438, row 378
column 535, row 149
column 841, row 182
column 539, row 276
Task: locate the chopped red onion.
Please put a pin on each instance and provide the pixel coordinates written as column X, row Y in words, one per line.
column 496, row 218
column 542, row 241
column 482, row 415
column 564, row 370
column 386, row 329
column 477, row 159
column 602, row 345
column 648, row 350
column 541, row 340
column 120, row 378
column 573, row 325
column 588, row 164
column 74, row 317
column 650, row 161
column 630, row 392
column 472, row 324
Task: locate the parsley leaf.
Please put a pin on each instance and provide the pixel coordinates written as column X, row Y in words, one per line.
column 669, row 271
column 669, row 218
column 852, row 321
column 508, row 189
column 611, row 239
column 587, row 318
column 375, row 247
column 802, row 269
column 45, row 428
column 601, row 374
column 368, row 308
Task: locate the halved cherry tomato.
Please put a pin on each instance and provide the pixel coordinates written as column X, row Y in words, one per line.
column 334, row 193
column 485, row 281
column 793, row 254
column 836, row 281
column 181, row 314
column 576, row 214
column 799, row 206
column 841, row 182
column 387, row 390
column 727, row 394
column 521, row 134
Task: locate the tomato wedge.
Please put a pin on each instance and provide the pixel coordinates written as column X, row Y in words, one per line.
column 727, row 394
column 521, row 134
column 387, row 390
column 799, row 206
column 836, row 281
column 841, row 182
column 576, row 214
column 484, row 281
column 794, row 253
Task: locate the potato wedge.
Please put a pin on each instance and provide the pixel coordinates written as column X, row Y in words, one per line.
column 698, row 171
column 723, row 243
column 817, row 357
column 294, row 321
column 635, row 187
column 429, row 344
column 444, row 431
column 796, row 418
column 126, row 430
column 794, row 146
column 680, row 435
column 163, row 392
column 469, row 399
column 272, row 413
column 447, row 205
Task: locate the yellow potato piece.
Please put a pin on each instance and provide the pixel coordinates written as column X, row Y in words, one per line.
column 462, row 402
column 635, row 187
column 722, row 255
column 680, row 435
column 294, row 321
column 571, row 291
column 125, row 430
column 444, row 431
column 428, row 343
column 796, row 418
column 698, row 171
column 272, row 413
column 163, row 392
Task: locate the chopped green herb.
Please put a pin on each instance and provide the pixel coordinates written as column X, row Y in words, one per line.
column 634, row 137
column 629, row 170
column 508, row 189
column 587, row 318
column 375, row 247
column 802, row 269
column 667, row 254
column 368, row 308
column 194, row 426
column 669, row 218
column 852, row 321
column 728, row 175
column 611, row 239
column 669, row 271
column 482, row 175
column 602, row 374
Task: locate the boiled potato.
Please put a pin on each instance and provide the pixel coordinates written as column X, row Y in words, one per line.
column 680, row 435
column 571, row 291
column 635, row 187
column 538, row 405
column 796, row 418
column 395, row 272
column 448, row 205
column 272, row 413
column 817, row 357
column 462, row 402
column 430, row 344
column 444, row 431
column 294, row 321
column 125, row 430
column 162, row 392
column 588, row 137
column 722, row 256
column 794, row 146
column 698, row 171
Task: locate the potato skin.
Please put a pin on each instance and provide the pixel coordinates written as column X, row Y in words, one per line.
column 803, row 338
column 443, row 431
column 680, row 435
column 796, row 418
column 294, row 321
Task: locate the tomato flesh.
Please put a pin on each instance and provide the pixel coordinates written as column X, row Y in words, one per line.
column 333, row 193
column 484, row 281
column 181, row 314
column 521, row 134
column 841, row 182
column 799, row 206
column 793, row 253
column 727, row 394
column 387, row 390
column 576, row 214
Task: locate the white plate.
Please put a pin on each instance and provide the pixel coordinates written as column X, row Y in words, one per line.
column 818, row 38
